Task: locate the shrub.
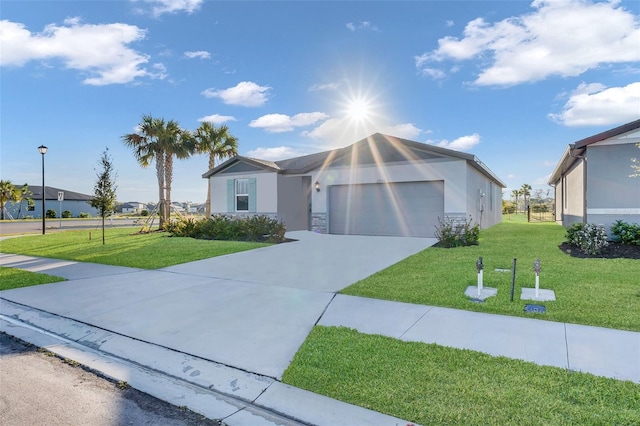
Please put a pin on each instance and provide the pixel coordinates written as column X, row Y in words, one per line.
column 51, row 214
column 84, row 215
column 626, row 233
column 590, row 238
column 66, row 214
column 221, row 227
column 144, row 213
column 452, row 233
column 508, row 207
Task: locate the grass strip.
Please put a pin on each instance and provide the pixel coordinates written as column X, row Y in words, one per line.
column 431, row 384
column 598, row 292
column 123, row 247
column 15, row 278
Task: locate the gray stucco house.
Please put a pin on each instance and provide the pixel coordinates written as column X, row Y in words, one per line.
column 380, row 185
column 73, row 201
column 593, row 180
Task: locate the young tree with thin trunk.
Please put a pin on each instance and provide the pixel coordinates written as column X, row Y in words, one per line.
column 219, row 144
column 104, row 191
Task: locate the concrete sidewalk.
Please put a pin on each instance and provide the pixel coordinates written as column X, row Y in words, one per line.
column 595, row 350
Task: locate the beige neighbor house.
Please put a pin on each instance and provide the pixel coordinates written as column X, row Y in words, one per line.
column 594, row 179
column 380, row 185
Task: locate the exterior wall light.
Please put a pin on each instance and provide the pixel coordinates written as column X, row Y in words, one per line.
column 317, row 186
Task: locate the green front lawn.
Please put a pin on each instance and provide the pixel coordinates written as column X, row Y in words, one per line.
column 599, row 292
column 15, row 278
column 431, row 384
column 123, row 248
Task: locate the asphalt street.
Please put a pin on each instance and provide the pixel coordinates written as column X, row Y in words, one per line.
column 12, row 227
column 38, row 388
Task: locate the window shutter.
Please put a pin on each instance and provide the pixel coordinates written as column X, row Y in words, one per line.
column 252, row 195
column 231, row 195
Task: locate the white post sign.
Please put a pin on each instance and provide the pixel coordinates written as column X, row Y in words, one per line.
column 60, row 200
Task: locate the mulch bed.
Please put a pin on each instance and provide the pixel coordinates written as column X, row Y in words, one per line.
column 612, row 251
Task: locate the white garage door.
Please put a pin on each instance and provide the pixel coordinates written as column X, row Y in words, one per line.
column 407, row 209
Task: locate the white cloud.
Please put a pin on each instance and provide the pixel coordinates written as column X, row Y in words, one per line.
column 559, row 37
column 596, row 105
column 275, row 153
column 321, row 87
column 217, row 118
column 542, row 180
column 463, row 143
column 361, row 26
column 449, row 23
column 404, row 130
column 98, row 50
column 200, row 54
column 279, row 123
column 245, row 93
column 160, row 7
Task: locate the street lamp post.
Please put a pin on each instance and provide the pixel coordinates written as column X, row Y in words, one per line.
column 43, row 150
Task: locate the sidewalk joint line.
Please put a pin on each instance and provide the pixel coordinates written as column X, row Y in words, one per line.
column 415, row 322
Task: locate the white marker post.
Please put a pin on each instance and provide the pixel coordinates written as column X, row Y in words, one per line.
column 60, row 199
column 536, row 268
column 479, row 267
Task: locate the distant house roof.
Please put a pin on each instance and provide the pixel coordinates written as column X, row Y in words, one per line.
column 573, row 151
column 51, row 193
column 371, row 150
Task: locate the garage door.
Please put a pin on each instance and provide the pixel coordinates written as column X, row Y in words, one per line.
column 407, row 209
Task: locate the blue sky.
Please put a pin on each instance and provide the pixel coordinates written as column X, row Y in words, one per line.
column 512, row 82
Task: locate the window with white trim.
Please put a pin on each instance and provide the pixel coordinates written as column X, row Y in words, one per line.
column 242, row 195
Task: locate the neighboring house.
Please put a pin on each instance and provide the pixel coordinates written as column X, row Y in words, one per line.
column 593, row 179
column 381, row 185
column 75, row 202
column 131, row 207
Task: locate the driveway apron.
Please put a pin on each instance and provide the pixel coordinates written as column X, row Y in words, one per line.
column 249, row 310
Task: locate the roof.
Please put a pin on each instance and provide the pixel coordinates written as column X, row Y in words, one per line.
column 575, row 150
column 607, row 134
column 51, row 193
column 373, row 149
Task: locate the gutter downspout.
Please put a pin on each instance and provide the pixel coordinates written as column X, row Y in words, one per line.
column 583, row 157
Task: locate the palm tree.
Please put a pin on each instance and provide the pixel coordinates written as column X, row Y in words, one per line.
column 179, row 143
column 22, row 194
column 7, row 193
column 159, row 140
column 219, row 144
column 515, row 194
column 525, row 191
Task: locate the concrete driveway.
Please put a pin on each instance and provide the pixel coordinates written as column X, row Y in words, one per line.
column 250, row 310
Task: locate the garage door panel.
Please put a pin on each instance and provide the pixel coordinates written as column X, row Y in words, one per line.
column 396, row 209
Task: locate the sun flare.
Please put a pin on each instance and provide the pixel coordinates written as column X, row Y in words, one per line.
column 359, row 109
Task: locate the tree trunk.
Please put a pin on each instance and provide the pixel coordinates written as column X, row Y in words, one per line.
column 212, row 164
column 160, row 176
column 168, row 177
column 103, row 229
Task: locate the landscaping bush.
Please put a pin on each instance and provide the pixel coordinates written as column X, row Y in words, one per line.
column 66, row 214
column 257, row 228
column 84, row 215
column 144, row 213
column 626, row 233
column 51, row 214
column 590, row 238
column 508, row 207
column 452, row 233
